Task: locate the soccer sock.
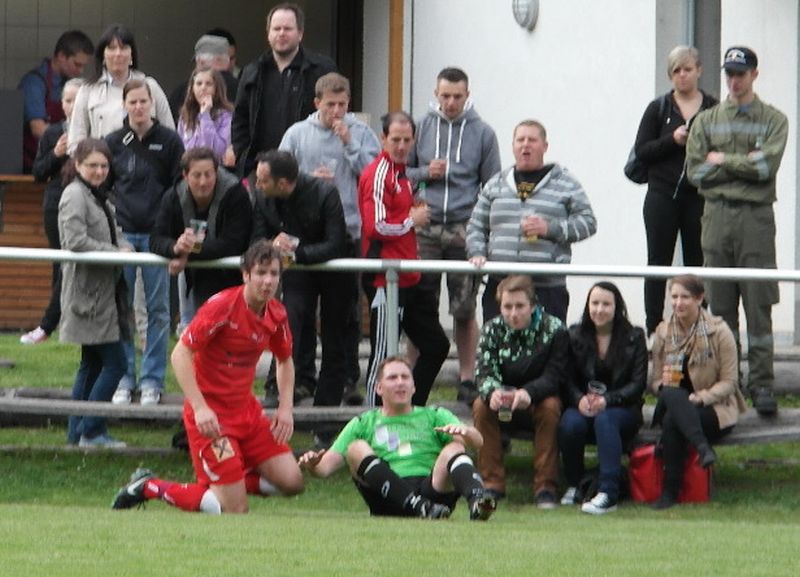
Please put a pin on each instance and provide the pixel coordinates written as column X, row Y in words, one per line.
column 464, row 476
column 377, row 475
column 258, row 485
column 185, row 496
column 210, row 504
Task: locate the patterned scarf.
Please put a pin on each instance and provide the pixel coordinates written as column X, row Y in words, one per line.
column 694, row 345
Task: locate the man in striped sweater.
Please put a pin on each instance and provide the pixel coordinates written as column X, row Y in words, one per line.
column 531, row 212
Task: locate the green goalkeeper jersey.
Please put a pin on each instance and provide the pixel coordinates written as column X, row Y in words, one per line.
column 408, row 443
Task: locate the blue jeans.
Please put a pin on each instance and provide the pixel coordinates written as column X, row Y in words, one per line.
column 608, row 430
column 186, row 304
column 156, row 290
column 100, row 370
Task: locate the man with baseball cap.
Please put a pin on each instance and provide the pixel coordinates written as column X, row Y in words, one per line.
column 210, row 53
column 733, row 154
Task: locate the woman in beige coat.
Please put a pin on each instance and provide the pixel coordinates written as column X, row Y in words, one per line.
column 98, row 107
column 92, row 295
column 695, row 375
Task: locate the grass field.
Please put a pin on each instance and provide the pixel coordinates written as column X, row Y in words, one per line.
column 55, row 518
column 55, row 521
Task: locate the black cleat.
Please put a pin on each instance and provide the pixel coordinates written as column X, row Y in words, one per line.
column 482, row 506
column 132, row 494
column 435, row 511
column 424, row 508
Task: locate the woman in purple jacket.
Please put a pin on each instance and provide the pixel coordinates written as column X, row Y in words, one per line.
column 205, row 118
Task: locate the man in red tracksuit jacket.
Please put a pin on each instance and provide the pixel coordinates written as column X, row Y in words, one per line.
column 388, row 217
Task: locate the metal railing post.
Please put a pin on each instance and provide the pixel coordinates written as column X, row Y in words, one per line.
column 392, row 307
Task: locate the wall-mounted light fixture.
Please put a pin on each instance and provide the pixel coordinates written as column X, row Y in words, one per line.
column 526, row 12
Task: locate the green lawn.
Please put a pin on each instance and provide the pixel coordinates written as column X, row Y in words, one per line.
column 49, row 364
column 285, row 538
column 55, row 518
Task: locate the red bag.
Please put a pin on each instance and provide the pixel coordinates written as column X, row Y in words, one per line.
column 646, row 474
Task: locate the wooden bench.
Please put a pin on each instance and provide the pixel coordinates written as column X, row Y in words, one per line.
column 750, row 429
column 49, row 403
column 55, row 403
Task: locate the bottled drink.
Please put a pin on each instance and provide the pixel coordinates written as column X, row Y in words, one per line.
column 421, row 197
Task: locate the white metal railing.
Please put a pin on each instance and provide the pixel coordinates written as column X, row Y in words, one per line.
column 392, row 268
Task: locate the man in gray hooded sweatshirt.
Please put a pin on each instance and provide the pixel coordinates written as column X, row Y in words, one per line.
column 455, row 154
column 335, row 146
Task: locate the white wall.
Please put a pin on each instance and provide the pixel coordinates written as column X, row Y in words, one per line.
column 375, row 94
column 587, row 71
column 770, row 27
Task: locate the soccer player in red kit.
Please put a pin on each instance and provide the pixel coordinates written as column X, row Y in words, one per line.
column 235, row 448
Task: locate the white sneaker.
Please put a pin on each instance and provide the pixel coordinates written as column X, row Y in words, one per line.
column 569, row 496
column 121, row 397
column 101, row 442
column 34, row 337
column 599, row 505
column 150, row 397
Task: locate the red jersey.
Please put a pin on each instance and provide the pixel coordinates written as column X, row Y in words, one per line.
column 227, row 339
column 387, row 231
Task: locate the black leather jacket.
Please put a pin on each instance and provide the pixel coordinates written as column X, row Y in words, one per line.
column 313, row 213
column 629, row 374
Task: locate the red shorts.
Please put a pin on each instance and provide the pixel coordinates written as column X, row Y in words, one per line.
column 246, row 442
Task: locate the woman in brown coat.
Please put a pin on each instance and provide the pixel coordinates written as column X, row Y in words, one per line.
column 695, row 375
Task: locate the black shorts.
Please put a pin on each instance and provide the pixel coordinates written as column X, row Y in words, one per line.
column 422, row 486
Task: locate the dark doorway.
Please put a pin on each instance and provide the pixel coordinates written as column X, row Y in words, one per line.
column 349, row 45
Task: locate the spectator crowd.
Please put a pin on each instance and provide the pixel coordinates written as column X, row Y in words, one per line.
column 269, row 162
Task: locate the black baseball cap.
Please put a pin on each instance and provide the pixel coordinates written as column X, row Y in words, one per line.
column 740, row 59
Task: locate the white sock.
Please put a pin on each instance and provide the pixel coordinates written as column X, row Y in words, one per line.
column 267, row 488
column 210, row 504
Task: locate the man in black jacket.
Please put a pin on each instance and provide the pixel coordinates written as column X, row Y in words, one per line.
column 276, row 90
column 309, row 209
column 205, row 194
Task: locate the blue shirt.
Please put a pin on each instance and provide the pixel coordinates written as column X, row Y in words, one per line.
column 34, row 91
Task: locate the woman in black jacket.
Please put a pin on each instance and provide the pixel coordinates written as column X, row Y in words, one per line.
column 50, row 159
column 146, row 163
column 606, row 378
column 672, row 203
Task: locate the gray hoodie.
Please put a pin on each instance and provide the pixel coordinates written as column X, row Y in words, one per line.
column 311, row 143
column 470, row 145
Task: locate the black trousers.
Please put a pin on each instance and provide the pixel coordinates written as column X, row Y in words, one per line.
column 664, row 217
column 52, row 314
column 684, row 423
column 419, row 319
column 335, row 292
